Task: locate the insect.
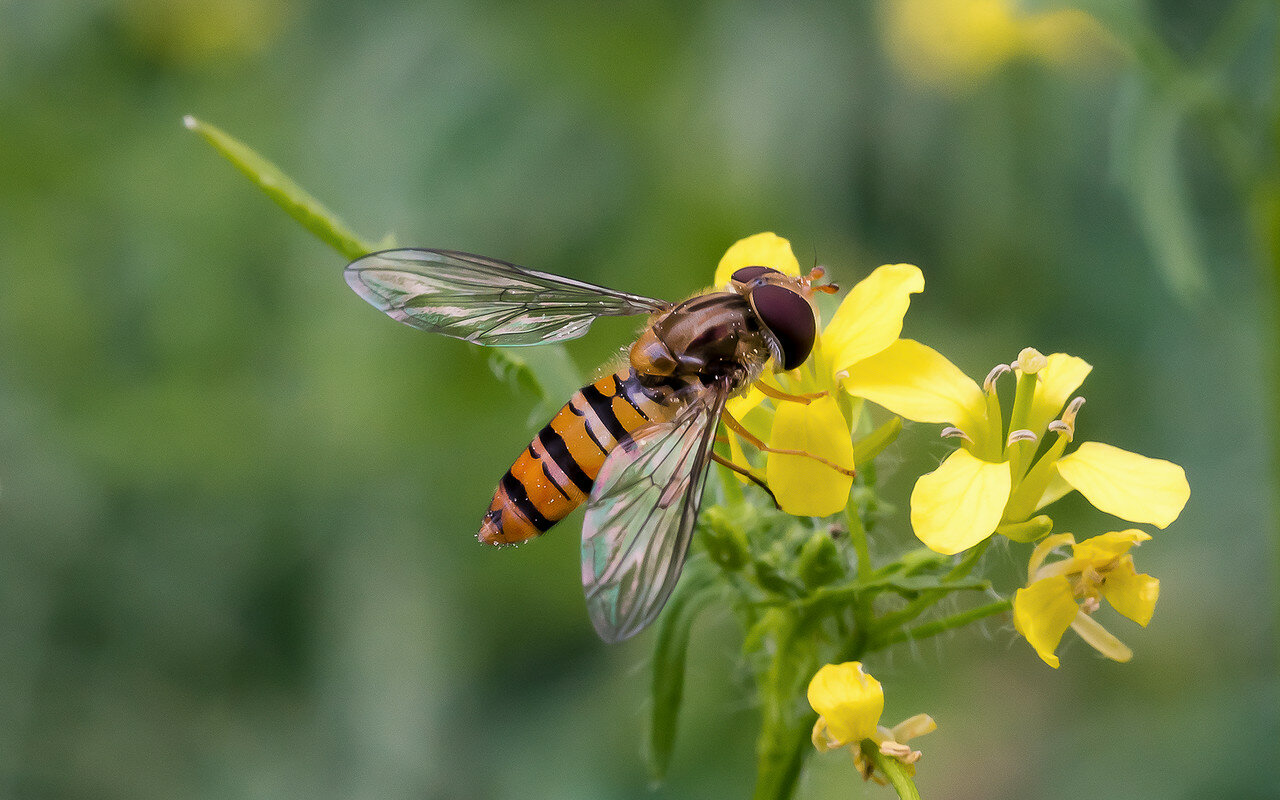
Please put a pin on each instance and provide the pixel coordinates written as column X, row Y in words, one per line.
column 636, row 444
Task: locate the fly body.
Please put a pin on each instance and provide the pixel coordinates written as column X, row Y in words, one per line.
column 634, row 445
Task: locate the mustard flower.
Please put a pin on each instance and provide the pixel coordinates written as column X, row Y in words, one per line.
column 1065, row 593
column 994, row 482
column 849, row 703
column 956, row 44
column 867, row 321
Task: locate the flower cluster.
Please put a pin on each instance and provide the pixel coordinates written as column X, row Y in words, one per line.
column 1017, row 453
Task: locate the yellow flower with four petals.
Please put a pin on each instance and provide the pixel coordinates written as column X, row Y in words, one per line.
column 868, row 320
column 1063, row 594
column 849, row 703
column 994, row 482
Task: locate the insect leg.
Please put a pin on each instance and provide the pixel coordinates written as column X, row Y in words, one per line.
column 778, row 394
column 746, row 473
column 738, row 428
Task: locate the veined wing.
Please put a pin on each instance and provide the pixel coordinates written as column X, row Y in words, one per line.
column 484, row 300
column 641, row 514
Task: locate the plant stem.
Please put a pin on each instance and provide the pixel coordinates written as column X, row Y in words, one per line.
column 778, row 758
column 893, row 769
column 945, row 624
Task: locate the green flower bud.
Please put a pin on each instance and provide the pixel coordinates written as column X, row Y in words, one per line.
column 819, row 561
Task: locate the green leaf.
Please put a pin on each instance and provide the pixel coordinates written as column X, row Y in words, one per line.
column 690, row 598
column 295, row 200
column 547, row 371
column 1148, row 127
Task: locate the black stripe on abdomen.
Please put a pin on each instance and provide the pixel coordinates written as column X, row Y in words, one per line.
column 559, row 453
column 603, row 408
column 517, row 494
column 625, row 388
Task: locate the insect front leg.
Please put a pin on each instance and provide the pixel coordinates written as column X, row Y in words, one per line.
column 737, row 427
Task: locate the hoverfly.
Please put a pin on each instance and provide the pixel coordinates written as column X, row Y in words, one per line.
column 635, row 444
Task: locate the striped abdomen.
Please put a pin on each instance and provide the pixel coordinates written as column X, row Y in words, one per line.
column 555, row 473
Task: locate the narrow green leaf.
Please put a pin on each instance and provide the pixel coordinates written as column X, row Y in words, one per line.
column 1149, row 125
column 533, row 370
column 295, row 200
column 690, row 598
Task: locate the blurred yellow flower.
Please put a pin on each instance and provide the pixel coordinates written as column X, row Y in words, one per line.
column 956, row 44
column 867, row 321
column 993, row 482
column 849, row 703
column 1063, row 594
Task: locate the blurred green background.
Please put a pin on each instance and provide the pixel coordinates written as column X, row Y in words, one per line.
column 237, row 505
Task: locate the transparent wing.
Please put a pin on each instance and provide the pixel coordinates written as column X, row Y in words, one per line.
column 484, row 300
column 641, row 514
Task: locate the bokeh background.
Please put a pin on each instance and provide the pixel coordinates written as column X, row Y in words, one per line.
column 237, row 505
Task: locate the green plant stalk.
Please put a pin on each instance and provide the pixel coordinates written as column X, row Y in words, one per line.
column 778, row 760
column 287, row 194
column 893, row 769
column 936, row 627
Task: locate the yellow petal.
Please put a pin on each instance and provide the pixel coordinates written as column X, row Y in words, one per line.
column 959, row 504
column 1042, row 612
column 1100, row 639
column 919, row 383
column 1132, row 593
column 869, row 318
column 739, row 407
column 1106, row 548
column 761, row 250
column 1042, row 550
column 1130, row 486
column 803, row 486
column 1056, row 381
column 849, row 699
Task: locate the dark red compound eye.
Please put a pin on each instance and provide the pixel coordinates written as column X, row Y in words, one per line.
column 748, row 274
column 788, row 315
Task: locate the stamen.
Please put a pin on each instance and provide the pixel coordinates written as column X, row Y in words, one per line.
column 1030, row 361
column 1073, row 408
column 1022, row 435
column 1067, row 425
column 989, row 385
column 896, row 750
column 951, row 432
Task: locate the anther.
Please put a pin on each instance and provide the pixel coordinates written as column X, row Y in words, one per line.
column 1022, row 435
column 896, row 750
column 951, row 432
column 1073, row 408
column 989, row 385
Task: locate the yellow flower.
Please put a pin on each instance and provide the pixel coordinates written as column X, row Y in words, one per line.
column 1063, row 594
column 954, row 44
column 994, row 482
column 849, row 703
column 867, row 321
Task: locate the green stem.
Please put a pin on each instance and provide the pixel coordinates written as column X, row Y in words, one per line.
column 778, row 755
column 967, row 563
column 287, row 194
column 893, row 769
column 858, row 536
column 942, row 625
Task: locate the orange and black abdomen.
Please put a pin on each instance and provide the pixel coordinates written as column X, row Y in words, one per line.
column 554, row 474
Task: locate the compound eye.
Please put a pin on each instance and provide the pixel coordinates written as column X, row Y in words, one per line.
column 748, row 274
column 789, row 316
